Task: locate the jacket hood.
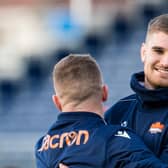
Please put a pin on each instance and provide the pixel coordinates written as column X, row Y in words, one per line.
column 146, row 95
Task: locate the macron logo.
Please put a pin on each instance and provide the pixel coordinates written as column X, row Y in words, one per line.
column 122, row 134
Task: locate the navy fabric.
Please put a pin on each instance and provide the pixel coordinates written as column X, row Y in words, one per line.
column 84, row 140
column 146, row 112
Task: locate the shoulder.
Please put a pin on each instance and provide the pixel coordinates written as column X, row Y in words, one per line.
column 129, row 98
column 125, row 101
column 117, row 110
column 124, row 138
column 113, row 131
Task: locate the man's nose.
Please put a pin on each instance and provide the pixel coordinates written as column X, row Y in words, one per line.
column 164, row 60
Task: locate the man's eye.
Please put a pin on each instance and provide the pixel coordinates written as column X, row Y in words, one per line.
column 159, row 51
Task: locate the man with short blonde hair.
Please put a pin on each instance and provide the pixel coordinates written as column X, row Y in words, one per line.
column 80, row 138
column 77, row 78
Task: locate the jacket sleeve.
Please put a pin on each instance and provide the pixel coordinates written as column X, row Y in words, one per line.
column 126, row 150
column 40, row 163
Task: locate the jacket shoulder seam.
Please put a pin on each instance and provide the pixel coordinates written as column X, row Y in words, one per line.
column 125, row 100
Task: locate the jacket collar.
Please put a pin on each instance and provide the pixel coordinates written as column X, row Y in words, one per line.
column 79, row 115
column 145, row 95
column 64, row 119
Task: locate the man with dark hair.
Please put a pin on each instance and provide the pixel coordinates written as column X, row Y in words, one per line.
column 146, row 111
column 80, row 137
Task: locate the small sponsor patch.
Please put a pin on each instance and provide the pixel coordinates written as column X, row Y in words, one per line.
column 156, row 127
column 122, row 134
column 124, row 124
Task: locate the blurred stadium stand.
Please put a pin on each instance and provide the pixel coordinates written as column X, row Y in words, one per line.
column 33, row 37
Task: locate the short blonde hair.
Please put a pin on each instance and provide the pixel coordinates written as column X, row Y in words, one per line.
column 158, row 24
column 77, row 77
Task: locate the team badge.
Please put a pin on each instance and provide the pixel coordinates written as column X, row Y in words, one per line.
column 156, row 127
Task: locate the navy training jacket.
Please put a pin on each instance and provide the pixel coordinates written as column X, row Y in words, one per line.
column 83, row 140
column 146, row 112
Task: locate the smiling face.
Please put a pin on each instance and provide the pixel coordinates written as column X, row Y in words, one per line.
column 154, row 55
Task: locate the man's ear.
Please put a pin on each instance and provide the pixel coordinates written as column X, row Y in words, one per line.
column 57, row 102
column 143, row 52
column 105, row 93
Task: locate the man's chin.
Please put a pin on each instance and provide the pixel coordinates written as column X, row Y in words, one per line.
column 160, row 84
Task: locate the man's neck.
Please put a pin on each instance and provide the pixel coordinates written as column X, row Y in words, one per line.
column 94, row 107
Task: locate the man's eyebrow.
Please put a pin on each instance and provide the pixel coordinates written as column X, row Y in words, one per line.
column 157, row 48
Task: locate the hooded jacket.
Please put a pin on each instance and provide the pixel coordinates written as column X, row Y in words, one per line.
column 146, row 112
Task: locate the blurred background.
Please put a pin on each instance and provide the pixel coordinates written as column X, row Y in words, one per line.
column 35, row 34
